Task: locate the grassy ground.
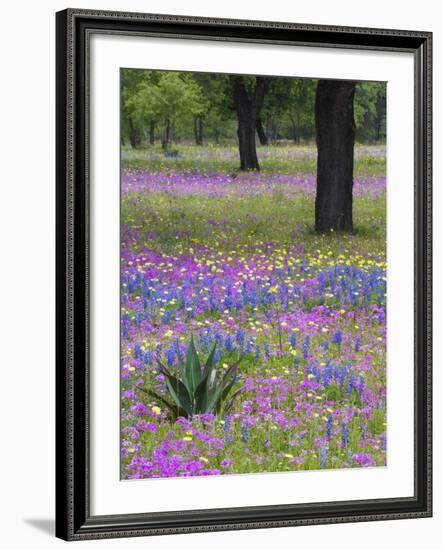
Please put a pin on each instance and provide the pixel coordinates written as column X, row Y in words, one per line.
column 370, row 160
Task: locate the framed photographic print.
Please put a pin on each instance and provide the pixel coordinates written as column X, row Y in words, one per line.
column 243, row 274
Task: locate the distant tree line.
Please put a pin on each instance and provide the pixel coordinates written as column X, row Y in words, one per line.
column 167, row 107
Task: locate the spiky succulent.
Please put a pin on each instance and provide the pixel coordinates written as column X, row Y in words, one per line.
column 197, row 388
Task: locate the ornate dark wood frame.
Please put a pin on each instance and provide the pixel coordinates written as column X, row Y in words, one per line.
column 73, row 518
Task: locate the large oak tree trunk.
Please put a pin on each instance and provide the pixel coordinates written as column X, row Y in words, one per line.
column 246, row 144
column 335, row 134
column 248, row 108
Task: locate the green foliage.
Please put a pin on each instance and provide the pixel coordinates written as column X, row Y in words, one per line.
column 376, row 422
column 198, row 388
column 174, row 100
column 370, row 111
column 165, row 98
column 333, row 393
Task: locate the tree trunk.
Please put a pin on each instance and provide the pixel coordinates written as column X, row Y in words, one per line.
column 152, row 133
column 261, row 132
column 248, row 109
column 294, row 130
column 335, row 134
column 165, row 137
column 198, row 130
column 133, row 135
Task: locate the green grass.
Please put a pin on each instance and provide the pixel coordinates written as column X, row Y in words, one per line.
column 282, row 159
column 182, row 223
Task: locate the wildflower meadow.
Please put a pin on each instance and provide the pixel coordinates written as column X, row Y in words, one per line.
column 249, row 341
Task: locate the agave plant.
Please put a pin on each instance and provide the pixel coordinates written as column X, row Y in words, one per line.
column 197, row 388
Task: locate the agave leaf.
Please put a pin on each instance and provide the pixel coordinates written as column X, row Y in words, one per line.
column 193, row 391
column 193, row 368
column 201, row 394
column 156, row 396
column 228, row 387
column 228, row 405
column 215, row 397
column 209, row 365
column 176, row 411
column 181, row 363
column 171, row 376
column 231, row 371
column 177, row 389
column 163, row 368
column 182, row 372
column 234, row 366
column 224, row 393
column 179, row 394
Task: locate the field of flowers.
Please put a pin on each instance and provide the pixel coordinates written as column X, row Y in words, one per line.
column 232, row 261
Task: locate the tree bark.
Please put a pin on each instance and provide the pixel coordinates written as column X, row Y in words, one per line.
column 248, row 109
column 198, row 130
column 335, row 135
column 152, row 133
column 261, row 132
column 295, row 132
column 133, row 134
column 166, row 134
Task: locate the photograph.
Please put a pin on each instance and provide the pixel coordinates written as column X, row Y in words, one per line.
column 253, row 274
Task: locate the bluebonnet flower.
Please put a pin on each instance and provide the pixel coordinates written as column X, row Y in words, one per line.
column 327, row 374
column 364, row 431
column 178, row 350
column 329, row 427
column 137, row 351
column 166, row 317
column 244, row 433
column 345, row 436
column 240, row 337
column 266, row 351
column 306, row 344
column 227, row 429
column 249, row 346
column 229, row 344
column 170, row 356
column 351, row 384
column 218, row 338
column 218, row 354
column 337, row 338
